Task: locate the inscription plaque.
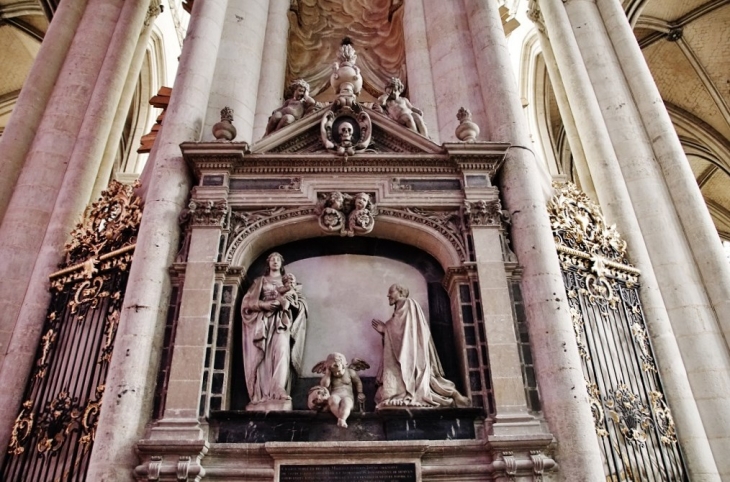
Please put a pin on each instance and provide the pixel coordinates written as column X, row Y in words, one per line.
column 348, row 472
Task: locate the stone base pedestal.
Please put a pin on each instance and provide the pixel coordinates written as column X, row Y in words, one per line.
column 271, row 406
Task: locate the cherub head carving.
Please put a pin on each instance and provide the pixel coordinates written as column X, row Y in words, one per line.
column 362, row 200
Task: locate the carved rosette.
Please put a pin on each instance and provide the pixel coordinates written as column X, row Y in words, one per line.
column 111, row 224
column 483, row 213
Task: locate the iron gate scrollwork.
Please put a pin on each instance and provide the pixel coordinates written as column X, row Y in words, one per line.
column 634, row 426
column 54, row 431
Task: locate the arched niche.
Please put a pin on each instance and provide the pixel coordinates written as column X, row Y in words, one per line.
column 388, row 262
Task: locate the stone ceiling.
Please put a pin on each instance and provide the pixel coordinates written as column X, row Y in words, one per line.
column 687, row 46
column 23, row 23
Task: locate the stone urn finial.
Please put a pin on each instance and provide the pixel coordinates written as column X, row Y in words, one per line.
column 466, row 131
column 224, row 130
column 345, row 74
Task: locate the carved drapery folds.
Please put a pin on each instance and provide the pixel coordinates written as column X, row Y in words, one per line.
column 61, row 409
column 316, row 28
column 635, row 427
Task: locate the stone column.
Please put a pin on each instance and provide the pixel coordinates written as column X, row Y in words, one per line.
column 273, row 69
column 133, row 368
column 680, row 282
column 557, row 361
column 571, row 131
column 33, row 99
column 616, row 203
column 418, row 65
column 72, row 197
column 691, row 208
column 237, row 73
column 455, row 78
column 34, row 200
column 120, row 118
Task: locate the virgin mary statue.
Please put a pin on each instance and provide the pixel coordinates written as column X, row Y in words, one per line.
column 274, row 315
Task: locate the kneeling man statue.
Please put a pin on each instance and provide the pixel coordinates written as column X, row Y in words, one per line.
column 410, row 373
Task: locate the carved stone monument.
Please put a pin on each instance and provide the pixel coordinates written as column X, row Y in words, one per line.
column 274, row 315
column 410, row 373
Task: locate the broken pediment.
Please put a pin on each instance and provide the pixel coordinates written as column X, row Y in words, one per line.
column 305, row 137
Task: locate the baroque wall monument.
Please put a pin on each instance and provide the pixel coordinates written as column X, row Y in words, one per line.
column 345, row 258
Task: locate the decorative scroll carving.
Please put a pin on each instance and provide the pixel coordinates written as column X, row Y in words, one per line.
column 346, row 131
column 510, row 463
column 111, row 224
column 208, row 212
column 244, row 223
column 345, row 213
column 448, row 223
column 578, row 223
column 483, row 213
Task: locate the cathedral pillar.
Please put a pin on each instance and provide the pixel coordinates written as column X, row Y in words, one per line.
column 273, row 69
column 55, row 183
column 33, row 99
column 133, row 369
column 237, row 72
column 700, row 341
column 556, row 354
column 452, row 64
column 691, row 208
column 120, row 118
column 571, row 131
column 613, row 193
column 418, row 63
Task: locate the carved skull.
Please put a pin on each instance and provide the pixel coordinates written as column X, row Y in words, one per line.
column 345, row 131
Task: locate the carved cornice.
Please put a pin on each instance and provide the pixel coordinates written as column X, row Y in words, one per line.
column 458, row 273
column 244, row 223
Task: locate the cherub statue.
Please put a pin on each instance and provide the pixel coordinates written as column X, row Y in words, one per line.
column 297, row 103
column 338, row 380
column 289, row 295
column 400, row 109
column 361, row 218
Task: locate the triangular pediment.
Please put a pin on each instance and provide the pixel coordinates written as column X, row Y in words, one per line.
column 304, row 137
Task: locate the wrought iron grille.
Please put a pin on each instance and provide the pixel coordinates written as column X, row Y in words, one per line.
column 634, row 426
column 54, row 431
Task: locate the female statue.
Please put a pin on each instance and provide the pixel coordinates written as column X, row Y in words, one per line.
column 274, row 316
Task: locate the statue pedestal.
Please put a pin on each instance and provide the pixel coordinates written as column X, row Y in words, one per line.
column 310, row 426
column 271, row 406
